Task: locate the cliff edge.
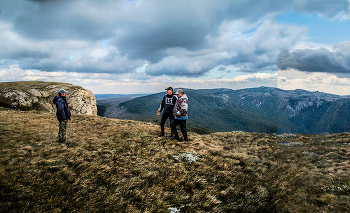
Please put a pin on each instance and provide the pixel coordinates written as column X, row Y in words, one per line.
column 38, row 95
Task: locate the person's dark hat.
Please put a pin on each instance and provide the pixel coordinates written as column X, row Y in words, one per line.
column 169, row 88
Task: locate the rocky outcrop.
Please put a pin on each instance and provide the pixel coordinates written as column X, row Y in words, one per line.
column 38, row 95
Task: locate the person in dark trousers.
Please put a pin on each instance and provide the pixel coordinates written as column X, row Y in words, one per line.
column 63, row 114
column 180, row 113
column 167, row 105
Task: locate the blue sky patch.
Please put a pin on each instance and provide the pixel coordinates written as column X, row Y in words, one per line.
column 320, row 29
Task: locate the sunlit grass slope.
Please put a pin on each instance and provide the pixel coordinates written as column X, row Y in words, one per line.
column 113, row 165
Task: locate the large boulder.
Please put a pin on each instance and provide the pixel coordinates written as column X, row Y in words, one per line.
column 38, row 95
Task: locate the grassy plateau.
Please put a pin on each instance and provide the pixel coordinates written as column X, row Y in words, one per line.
column 112, row 165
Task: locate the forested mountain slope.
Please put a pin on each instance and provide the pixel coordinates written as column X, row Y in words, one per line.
column 263, row 109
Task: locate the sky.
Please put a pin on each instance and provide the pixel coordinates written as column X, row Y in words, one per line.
column 144, row 46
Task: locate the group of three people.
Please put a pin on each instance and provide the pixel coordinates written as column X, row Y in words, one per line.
column 176, row 109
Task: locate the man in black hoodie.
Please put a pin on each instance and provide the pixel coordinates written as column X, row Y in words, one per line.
column 62, row 114
column 167, row 105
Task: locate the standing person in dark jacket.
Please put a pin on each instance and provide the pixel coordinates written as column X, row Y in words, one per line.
column 180, row 115
column 167, row 105
column 63, row 114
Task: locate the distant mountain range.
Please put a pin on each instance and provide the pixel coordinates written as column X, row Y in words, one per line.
column 113, row 96
column 263, row 109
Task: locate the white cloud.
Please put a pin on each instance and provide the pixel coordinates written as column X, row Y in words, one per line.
column 99, row 53
column 343, row 16
column 257, row 77
column 316, row 81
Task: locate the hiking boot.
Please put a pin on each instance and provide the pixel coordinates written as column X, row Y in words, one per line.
column 161, row 135
column 175, row 138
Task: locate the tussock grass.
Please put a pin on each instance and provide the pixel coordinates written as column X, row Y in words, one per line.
column 113, row 165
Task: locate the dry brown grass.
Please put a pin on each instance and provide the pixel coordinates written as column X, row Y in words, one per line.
column 113, row 165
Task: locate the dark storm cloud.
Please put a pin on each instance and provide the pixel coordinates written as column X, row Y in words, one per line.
column 112, row 63
column 151, row 41
column 182, row 28
column 146, row 30
column 28, row 54
column 178, row 72
column 47, row 20
column 222, row 69
column 259, row 67
column 320, row 60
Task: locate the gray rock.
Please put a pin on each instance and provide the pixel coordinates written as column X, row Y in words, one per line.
column 38, row 95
